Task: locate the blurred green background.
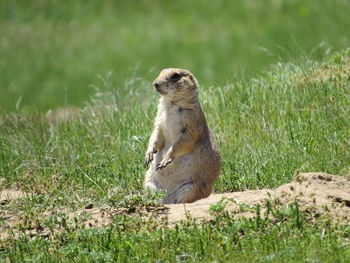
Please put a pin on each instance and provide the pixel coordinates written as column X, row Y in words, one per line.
column 54, row 53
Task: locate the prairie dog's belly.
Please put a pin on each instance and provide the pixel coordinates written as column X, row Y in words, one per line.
column 178, row 171
column 171, row 126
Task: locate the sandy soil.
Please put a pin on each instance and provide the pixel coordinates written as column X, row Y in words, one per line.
column 320, row 193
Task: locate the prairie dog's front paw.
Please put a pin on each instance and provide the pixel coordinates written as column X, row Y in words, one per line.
column 164, row 163
column 149, row 155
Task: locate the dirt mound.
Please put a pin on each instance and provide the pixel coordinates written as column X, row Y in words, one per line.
column 319, row 192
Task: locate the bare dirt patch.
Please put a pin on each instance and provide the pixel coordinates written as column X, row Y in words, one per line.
column 321, row 193
column 9, row 195
column 6, row 217
column 62, row 114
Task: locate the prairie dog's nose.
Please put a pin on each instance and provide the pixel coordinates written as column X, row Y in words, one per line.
column 156, row 84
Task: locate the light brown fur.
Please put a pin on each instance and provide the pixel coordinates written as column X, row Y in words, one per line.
column 181, row 152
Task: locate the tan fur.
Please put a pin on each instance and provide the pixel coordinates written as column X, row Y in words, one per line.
column 181, row 152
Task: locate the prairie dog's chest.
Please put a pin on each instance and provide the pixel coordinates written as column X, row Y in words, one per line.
column 172, row 123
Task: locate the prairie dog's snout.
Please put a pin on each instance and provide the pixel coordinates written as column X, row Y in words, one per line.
column 156, row 85
column 158, row 88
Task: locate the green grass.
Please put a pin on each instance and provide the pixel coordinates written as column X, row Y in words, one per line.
column 52, row 52
column 294, row 118
column 277, row 102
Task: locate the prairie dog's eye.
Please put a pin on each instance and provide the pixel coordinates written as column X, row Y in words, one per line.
column 175, row 77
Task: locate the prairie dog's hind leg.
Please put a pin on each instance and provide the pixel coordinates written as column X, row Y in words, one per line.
column 185, row 193
column 150, row 183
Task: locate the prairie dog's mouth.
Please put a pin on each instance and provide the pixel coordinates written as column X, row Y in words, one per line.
column 160, row 91
column 158, row 88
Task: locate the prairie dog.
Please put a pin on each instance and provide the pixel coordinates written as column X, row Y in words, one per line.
column 182, row 155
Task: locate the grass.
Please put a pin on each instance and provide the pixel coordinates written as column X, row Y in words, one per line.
column 294, row 118
column 51, row 53
column 267, row 128
column 275, row 95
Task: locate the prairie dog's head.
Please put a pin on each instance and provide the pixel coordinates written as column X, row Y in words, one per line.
column 175, row 83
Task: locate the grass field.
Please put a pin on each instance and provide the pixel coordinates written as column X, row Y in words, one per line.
column 294, row 118
column 275, row 98
column 52, row 53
